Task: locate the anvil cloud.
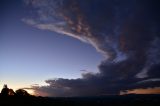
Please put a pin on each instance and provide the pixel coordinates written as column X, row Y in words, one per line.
column 125, row 32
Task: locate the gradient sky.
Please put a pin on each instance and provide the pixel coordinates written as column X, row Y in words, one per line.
column 30, row 56
column 80, row 47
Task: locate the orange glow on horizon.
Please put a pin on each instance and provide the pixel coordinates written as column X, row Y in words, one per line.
column 155, row 90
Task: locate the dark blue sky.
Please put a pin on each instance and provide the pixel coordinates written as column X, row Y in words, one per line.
column 30, row 56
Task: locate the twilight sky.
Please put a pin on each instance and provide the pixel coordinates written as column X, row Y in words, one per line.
column 80, row 47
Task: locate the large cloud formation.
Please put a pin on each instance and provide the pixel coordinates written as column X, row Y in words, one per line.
column 126, row 32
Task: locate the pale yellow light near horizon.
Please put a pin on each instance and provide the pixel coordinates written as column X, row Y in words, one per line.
column 16, row 87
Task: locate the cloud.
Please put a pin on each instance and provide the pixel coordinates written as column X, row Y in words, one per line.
column 125, row 32
column 148, row 80
column 153, row 58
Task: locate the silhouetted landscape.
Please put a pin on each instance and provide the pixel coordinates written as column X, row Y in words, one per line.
column 22, row 98
column 80, row 52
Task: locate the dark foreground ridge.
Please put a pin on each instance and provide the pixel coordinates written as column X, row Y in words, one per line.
column 124, row 100
column 22, row 98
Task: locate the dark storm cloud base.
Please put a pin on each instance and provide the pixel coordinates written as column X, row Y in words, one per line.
column 126, row 32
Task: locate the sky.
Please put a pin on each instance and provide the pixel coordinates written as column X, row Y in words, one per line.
column 80, row 48
column 30, row 56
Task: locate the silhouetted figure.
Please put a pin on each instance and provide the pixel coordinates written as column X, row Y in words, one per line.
column 22, row 92
column 5, row 90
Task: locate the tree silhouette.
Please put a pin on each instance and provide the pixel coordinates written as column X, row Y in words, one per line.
column 22, row 92
column 11, row 92
column 5, row 90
